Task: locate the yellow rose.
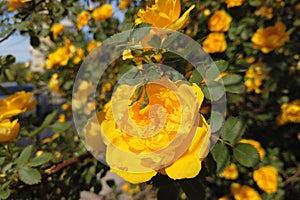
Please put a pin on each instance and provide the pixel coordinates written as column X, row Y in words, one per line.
column 164, row 14
column 103, row 12
column 92, row 45
column 266, row 179
column 59, row 57
column 231, row 172
column 244, row 192
column 54, row 84
column 233, row 3
column 290, row 112
column 256, row 145
column 79, row 56
column 270, row 38
column 219, row 22
column 124, row 4
column 215, row 43
column 265, row 12
column 168, row 135
column 83, row 19
column 15, row 104
column 56, row 29
column 79, row 97
column 15, row 4
column 8, row 130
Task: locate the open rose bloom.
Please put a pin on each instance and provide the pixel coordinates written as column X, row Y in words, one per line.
column 167, row 135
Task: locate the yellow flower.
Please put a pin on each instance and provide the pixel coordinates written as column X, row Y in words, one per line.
column 265, row 12
column 61, row 118
column 143, row 140
column 8, row 130
column 255, row 77
column 164, row 14
column 224, row 198
column 244, row 192
column 15, row 4
column 231, row 172
column 256, row 145
column 16, row 104
column 219, row 22
column 54, row 84
column 124, row 4
column 206, row 12
column 233, row 3
column 215, row 43
column 80, row 96
column 79, row 56
column 103, row 12
column 56, row 29
column 65, row 106
column 59, row 57
column 290, row 112
column 266, row 179
column 83, row 19
column 92, row 45
column 270, row 38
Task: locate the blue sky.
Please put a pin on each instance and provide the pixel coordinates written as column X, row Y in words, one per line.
column 19, row 46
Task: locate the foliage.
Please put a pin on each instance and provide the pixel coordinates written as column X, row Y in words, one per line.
column 254, row 44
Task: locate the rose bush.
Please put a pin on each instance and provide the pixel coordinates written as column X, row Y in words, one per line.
column 254, row 152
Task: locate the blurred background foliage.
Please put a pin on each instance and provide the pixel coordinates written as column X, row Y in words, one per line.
column 256, row 47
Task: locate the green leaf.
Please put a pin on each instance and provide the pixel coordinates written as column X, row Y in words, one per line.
column 42, row 159
column 296, row 22
column 196, row 77
column 155, row 41
column 124, row 69
column 30, row 176
column 60, row 127
column 24, row 156
column 213, row 91
column 232, row 79
column 10, row 74
column 222, row 65
column 233, row 129
column 193, row 189
column 216, row 121
column 212, row 73
column 246, row 154
column 233, row 83
column 221, row 156
column 2, row 159
column 7, row 60
column 48, row 120
column 4, row 194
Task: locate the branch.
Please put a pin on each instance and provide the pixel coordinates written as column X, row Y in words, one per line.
column 69, row 162
column 12, row 31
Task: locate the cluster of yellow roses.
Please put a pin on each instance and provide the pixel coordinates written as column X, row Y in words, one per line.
column 218, row 24
column 265, row 177
column 290, row 112
column 10, row 107
column 62, row 55
column 255, row 76
column 101, row 13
